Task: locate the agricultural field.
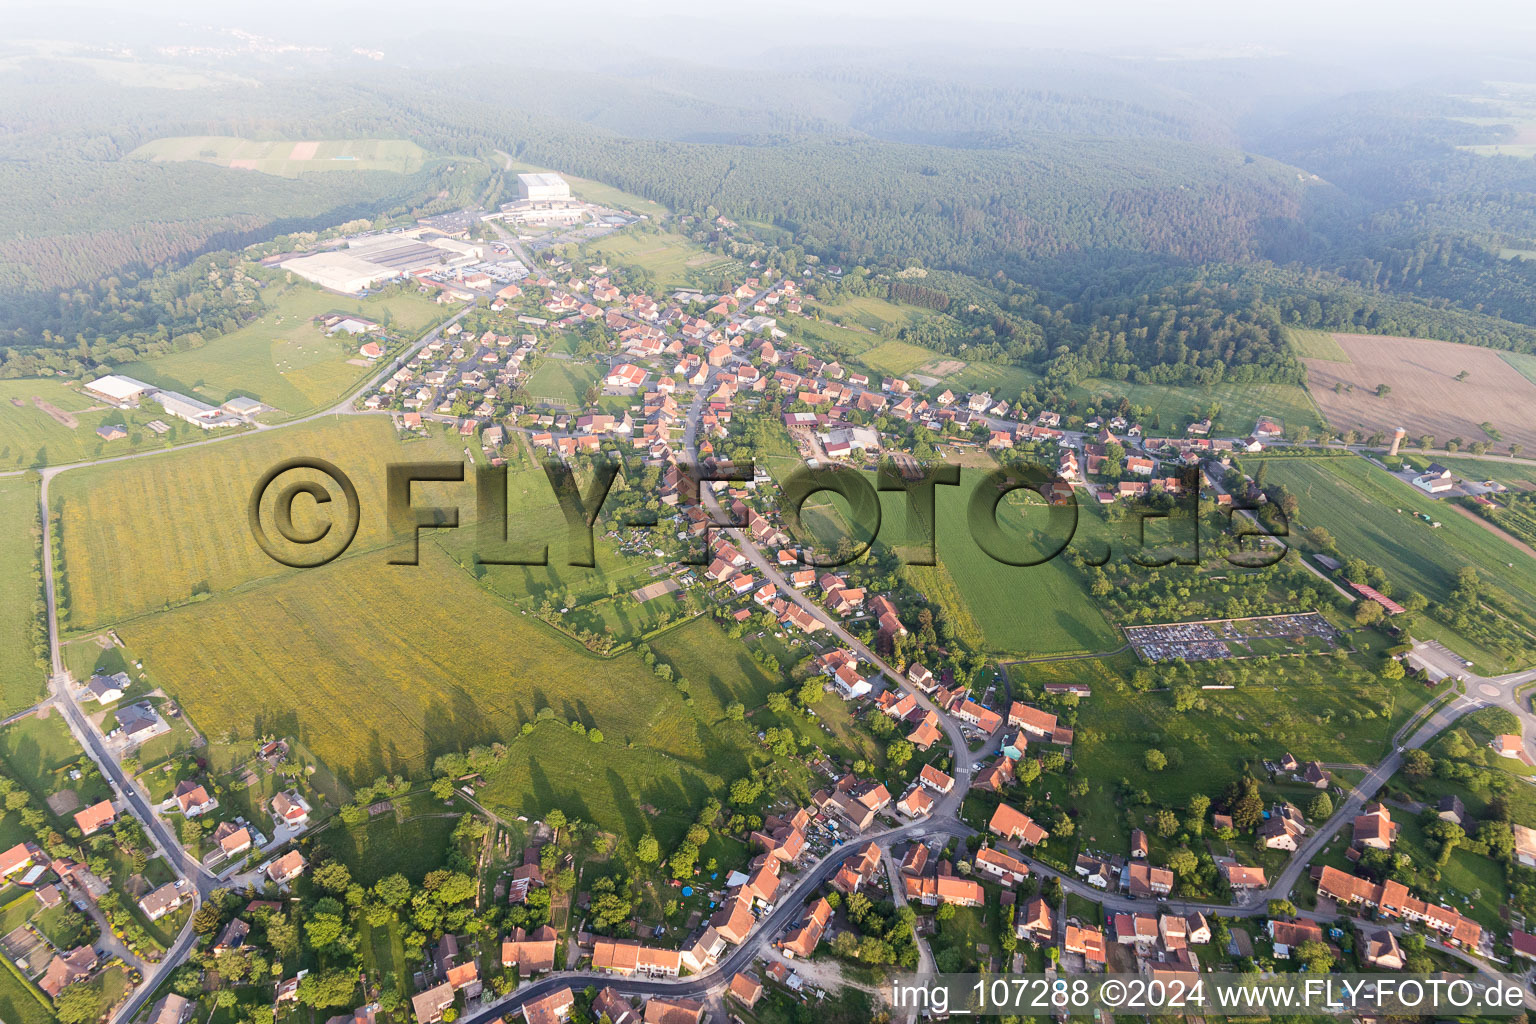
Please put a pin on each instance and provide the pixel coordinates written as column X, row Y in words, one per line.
column 562, row 381
column 283, row 360
column 1371, row 515
column 21, row 680
column 378, row 669
column 1426, row 397
column 1522, row 361
column 1171, row 408
column 287, row 158
column 1315, row 345
column 142, row 535
column 670, row 260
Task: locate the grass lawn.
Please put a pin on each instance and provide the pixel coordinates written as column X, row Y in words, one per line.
column 874, row 312
column 20, row 1001
column 1002, row 382
column 1369, row 512
column 562, row 381
column 283, row 359
column 841, row 342
column 35, row 748
column 671, row 260
column 1297, row 705
column 384, row 954
column 411, row 839
column 967, row 940
column 65, row 926
column 1315, row 345
column 18, row 911
column 140, row 536
column 897, row 358
column 22, row 681
column 1510, row 474
column 628, row 789
column 1037, row 609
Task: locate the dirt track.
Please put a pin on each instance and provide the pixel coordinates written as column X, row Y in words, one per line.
column 59, row 415
column 1495, row 528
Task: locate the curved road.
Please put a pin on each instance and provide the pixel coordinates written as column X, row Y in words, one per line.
column 943, row 821
column 91, row 741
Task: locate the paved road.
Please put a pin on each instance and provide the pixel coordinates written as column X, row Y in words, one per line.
column 964, row 760
column 62, row 695
column 944, row 820
column 786, row 912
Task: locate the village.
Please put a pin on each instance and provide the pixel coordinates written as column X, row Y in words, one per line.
column 871, row 869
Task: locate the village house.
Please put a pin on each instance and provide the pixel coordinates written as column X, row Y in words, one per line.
column 162, row 901
column 627, row 957
column 915, row 802
column 803, row 938
column 429, row 1005
column 530, row 953
column 1016, row 826
column 287, row 867
column 291, row 809
column 1035, row 922
column 95, row 817
column 233, row 839
column 1002, row 865
column 1375, row 829
column 193, row 799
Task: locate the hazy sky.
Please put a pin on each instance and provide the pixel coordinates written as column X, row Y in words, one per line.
column 1406, row 31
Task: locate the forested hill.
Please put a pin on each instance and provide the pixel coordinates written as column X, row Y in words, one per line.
column 885, row 202
column 1128, row 214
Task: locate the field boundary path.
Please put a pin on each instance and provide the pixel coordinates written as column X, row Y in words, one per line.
column 90, row 739
column 944, row 821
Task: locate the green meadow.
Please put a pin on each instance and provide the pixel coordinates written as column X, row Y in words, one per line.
column 283, row 359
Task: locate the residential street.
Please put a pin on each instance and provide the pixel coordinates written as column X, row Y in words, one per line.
column 943, row 822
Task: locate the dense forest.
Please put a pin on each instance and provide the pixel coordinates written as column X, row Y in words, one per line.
column 1081, row 219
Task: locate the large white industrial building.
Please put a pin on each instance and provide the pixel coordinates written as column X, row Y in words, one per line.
column 542, row 187
column 369, row 259
column 339, row 272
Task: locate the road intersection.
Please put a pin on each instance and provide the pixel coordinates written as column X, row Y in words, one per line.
column 943, row 822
